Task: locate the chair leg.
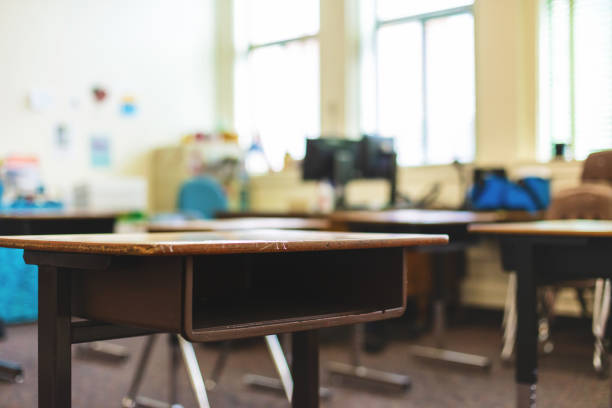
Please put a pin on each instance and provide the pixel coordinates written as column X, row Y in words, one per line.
column 129, row 401
column 509, row 322
column 601, row 311
column 547, row 301
column 193, row 370
column 220, row 363
column 178, row 344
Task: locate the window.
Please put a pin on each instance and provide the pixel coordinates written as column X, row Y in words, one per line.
column 424, row 80
column 277, row 75
column 575, row 64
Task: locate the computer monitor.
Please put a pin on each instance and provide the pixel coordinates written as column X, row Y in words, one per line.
column 331, row 159
column 341, row 160
column 377, row 159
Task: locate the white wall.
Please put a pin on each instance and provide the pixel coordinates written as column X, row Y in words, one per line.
column 158, row 51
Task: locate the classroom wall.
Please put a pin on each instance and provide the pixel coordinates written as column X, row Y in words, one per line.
column 160, row 52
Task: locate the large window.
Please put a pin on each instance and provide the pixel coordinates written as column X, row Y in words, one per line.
column 424, row 92
column 575, row 95
column 277, row 75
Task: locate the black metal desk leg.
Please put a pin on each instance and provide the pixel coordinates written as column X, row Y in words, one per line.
column 527, row 333
column 54, row 358
column 305, row 347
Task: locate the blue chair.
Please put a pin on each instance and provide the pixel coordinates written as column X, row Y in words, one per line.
column 201, row 197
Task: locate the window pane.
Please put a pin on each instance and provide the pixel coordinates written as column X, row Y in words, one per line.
column 590, row 127
column 391, row 9
column 593, row 76
column 560, row 121
column 275, row 20
column 450, row 89
column 400, row 113
column 281, row 92
column 554, row 94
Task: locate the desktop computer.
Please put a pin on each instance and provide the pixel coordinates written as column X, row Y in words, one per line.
column 341, row 160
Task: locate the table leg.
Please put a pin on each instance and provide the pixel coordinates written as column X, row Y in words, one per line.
column 54, row 358
column 129, row 401
column 195, row 375
column 357, row 371
column 439, row 325
column 527, row 333
column 284, row 383
column 305, row 348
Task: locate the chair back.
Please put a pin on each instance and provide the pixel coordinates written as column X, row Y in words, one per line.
column 202, row 197
column 587, row 201
column 598, row 167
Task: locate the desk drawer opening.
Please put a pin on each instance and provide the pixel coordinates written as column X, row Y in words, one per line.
column 266, row 291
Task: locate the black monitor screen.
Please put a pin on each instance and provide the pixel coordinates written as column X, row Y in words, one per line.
column 331, row 159
column 376, row 157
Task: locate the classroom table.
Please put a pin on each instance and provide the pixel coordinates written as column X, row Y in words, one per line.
column 45, row 221
column 284, row 383
column 209, row 286
column 544, row 253
column 453, row 223
column 236, row 224
column 269, row 214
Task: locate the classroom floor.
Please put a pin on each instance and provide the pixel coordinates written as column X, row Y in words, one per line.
column 566, row 376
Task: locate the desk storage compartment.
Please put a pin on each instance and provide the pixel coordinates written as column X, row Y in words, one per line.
column 134, row 291
column 230, row 296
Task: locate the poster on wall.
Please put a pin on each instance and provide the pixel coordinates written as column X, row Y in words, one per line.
column 100, row 150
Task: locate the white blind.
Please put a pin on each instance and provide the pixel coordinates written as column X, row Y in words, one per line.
column 575, row 76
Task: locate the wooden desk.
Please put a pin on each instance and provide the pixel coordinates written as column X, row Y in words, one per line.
column 237, row 224
column 453, row 223
column 272, row 281
column 39, row 222
column 285, row 381
column 44, row 221
column 543, row 253
column 269, row 214
column 410, row 217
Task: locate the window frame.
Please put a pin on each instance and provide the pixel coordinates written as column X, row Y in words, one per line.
column 245, row 48
column 546, row 70
column 422, row 19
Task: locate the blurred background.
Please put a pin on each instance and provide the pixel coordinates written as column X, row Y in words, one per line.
column 113, row 106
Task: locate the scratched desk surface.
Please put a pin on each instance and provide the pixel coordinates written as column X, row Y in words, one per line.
column 414, row 217
column 585, row 228
column 240, row 224
column 221, row 242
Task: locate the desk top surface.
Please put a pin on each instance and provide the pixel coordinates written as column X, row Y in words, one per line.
column 414, row 217
column 574, row 228
column 240, row 224
column 46, row 214
column 221, row 242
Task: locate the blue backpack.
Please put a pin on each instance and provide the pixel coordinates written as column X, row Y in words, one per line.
column 499, row 193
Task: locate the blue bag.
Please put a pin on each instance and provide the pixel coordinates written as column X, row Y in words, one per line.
column 498, row 193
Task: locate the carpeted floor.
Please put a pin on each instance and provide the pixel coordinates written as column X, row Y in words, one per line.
column 566, row 376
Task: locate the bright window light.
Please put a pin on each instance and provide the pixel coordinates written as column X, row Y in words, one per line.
column 575, row 63
column 425, row 82
column 277, row 76
column 400, row 87
column 450, row 87
column 392, row 9
column 275, row 20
